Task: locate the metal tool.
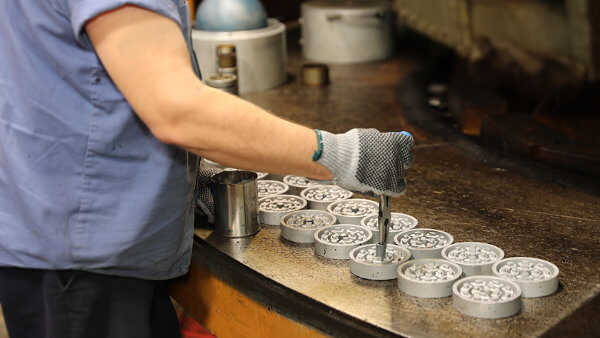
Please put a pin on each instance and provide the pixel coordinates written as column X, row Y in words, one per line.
column 385, row 215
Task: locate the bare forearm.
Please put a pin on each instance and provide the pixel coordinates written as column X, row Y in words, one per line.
column 246, row 136
column 147, row 58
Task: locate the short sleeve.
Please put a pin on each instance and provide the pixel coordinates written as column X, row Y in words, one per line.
column 81, row 11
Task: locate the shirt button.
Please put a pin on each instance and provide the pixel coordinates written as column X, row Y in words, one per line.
column 96, row 80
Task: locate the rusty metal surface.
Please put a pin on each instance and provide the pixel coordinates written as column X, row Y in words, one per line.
column 528, row 32
column 450, row 189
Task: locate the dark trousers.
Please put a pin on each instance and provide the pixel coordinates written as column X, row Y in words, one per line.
column 62, row 304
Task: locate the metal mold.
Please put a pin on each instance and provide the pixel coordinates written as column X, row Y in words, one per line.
column 424, row 243
column 351, row 211
column 486, row 297
column 536, row 277
column 299, row 183
column 428, row 278
column 364, row 262
column 271, row 188
column 474, row 258
column 272, row 208
column 261, row 176
column 300, row 226
column 320, row 196
column 336, row 241
column 399, row 222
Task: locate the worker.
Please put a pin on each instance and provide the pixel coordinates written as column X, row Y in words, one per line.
column 102, row 114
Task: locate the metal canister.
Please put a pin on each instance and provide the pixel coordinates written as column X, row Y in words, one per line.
column 315, row 74
column 236, row 210
column 224, row 82
column 226, row 56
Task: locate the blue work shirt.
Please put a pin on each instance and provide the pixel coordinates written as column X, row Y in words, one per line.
column 83, row 182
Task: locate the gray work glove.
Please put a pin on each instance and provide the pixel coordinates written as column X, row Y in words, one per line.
column 204, row 200
column 368, row 161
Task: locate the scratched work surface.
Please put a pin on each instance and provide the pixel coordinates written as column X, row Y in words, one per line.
column 450, row 189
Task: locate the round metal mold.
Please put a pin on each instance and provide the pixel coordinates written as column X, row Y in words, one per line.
column 300, row 226
column 399, row 222
column 261, row 176
column 271, row 188
column 428, row 278
column 336, row 241
column 475, row 258
column 351, row 211
column 320, row 196
column 272, row 208
column 299, row 183
column 536, row 277
column 486, row 297
column 364, row 262
column 424, row 243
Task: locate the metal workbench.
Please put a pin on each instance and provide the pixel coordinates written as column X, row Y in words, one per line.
column 455, row 185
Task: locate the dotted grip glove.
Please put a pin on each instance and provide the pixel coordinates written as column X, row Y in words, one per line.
column 368, row 161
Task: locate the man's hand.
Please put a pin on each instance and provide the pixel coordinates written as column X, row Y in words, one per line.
column 367, row 161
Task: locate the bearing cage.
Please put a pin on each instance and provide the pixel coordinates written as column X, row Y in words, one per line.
column 466, row 290
column 325, row 247
column 408, row 239
column 421, row 277
column 399, row 222
column 352, row 211
column 488, row 255
column 272, row 208
column 513, row 269
column 267, row 188
column 373, row 270
column 291, row 231
column 320, row 196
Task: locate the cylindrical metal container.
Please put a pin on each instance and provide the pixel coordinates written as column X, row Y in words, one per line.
column 260, row 54
column 335, row 31
column 315, row 74
column 235, row 197
column 226, row 57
